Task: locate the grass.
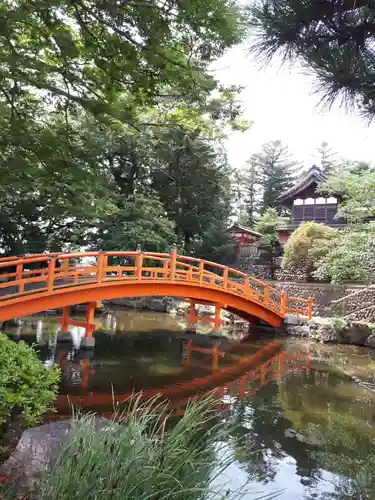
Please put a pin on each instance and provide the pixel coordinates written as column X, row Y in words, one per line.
column 141, row 456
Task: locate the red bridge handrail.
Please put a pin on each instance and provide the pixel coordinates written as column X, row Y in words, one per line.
column 41, row 273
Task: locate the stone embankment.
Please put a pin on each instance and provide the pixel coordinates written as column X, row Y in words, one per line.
column 322, row 294
column 359, row 305
column 333, row 330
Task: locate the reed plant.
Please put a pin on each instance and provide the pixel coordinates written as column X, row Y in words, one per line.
column 144, row 454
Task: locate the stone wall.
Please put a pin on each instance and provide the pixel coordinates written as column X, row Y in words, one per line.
column 366, row 314
column 321, row 293
column 262, row 271
column 259, row 271
column 355, row 304
column 292, row 273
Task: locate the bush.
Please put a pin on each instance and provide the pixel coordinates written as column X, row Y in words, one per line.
column 308, row 245
column 27, row 387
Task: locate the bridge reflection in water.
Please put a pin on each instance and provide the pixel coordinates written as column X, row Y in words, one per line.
column 223, row 369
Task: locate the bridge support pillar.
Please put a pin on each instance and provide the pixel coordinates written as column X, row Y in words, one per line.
column 88, row 341
column 63, row 335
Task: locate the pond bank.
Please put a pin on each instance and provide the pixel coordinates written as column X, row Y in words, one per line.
column 332, row 330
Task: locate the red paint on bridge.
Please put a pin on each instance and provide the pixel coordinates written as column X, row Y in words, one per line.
column 32, row 284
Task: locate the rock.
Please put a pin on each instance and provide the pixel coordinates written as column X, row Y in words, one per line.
column 371, row 340
column 301, row 331
column 37, row 448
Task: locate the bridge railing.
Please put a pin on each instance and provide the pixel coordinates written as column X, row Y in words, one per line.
column 50, row 272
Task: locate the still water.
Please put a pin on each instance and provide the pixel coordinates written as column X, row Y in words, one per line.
column 305, row 412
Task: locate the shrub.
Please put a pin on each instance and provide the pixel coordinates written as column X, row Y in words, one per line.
column 308, row 245
column 338, row 324
column 27, row 387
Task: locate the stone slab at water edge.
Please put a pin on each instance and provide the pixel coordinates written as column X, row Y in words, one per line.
column 335, row 330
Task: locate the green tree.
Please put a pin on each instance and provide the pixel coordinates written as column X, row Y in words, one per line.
column 331, row 38
column 307, row 245
column 360, row 167
column 86, row 53
column 349, row 257
column 140, row 220
column 83, row 87
column 357, row 189
column 269, row 245
column 276, row 172
column 52, row 184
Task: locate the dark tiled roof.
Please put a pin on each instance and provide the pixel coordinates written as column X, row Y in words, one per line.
column 243, row 228
column 314, row 175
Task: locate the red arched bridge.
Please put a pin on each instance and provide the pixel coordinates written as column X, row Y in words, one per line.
column 32, row 284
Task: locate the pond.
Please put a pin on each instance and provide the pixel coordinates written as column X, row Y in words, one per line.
column 305, row 412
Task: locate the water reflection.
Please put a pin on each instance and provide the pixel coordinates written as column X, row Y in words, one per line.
column 303, row 424
column 198, row 372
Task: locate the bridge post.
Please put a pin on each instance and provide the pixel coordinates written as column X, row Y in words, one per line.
column 88, row 340
column 192, row 316
column 284, row 303
column 63, row 335
column 309, row 307
column 217, row 316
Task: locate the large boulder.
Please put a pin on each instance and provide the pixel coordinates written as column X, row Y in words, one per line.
column 37, row 448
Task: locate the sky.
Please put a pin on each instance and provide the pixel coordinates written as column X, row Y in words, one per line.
column 281, row 104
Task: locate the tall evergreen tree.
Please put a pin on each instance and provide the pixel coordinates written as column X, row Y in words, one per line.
column 334, row 38
column 251, row 189
column 276, row 172
column 191, row 178
column 327, row 161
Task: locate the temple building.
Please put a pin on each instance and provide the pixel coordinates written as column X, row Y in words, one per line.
column 246, row 240
column 306, row 204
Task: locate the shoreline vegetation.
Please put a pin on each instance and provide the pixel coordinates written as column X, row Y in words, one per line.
column 145, row 453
